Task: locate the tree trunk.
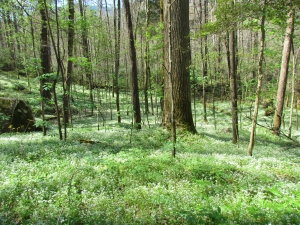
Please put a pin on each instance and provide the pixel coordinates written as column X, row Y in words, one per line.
column 283, row 73
column 147, row 67
column 295, row 59
column 2, row 36
column 204, row 65
column 59, row 63
column 117, row 32
column 161, row 20
column 86, row 52
column 45, row 53
column 180, row 58
column 233, row 84
column 68, row 75
column 259, row 82
column 233, row 89
column 134, row 79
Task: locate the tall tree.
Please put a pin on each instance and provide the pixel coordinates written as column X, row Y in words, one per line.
column 68, row 75
column 295, row 59
column 161, row 20
column 60, row 67
column 86, row 50
column 147, row 66
column 259, row 81
column 117, row 32
column 204, row 55
column 134, row 78
column 233, row 81
column 284, row 72
column 177, row 58
column 45, row 53
column 45, row 91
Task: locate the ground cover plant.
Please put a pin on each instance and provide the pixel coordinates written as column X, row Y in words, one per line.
column 125, row 176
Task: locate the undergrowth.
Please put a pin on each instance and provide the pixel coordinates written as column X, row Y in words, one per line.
column 129, row 177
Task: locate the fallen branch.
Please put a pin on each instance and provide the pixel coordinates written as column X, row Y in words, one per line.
column 279, row 134
column 83, row 141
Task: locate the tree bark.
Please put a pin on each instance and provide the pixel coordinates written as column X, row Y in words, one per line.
column 180, row 55
column 134, row 78
column 283, row 72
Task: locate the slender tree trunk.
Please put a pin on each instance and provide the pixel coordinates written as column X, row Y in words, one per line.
column 86, row 52
column 2, row 36
column 173, row 111
column 283, row 73
column 295, row 59
column 68, row 75
column 59, row 64
column 233, row 90
column 233, row 84
column 297, row 99
column 147, row 67
column 134, row 78
column 161, row 19
column 204, row 65
column 60, row 69
column 259, row 81
column 10, row 37
column 255, row 47
column 117, row 32
column 17, row 30
column 110, row 51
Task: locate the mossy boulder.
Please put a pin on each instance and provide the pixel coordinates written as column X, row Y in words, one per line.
column 268, row 103
column 15, row 116
column 19, row 87
column 269, row 111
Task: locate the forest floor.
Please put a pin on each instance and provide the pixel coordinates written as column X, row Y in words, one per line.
column 108, row 173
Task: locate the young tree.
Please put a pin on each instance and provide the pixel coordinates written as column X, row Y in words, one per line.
column 86, row 50
column 117, row 32
column 68, row 75
column 177, row 58
column 283, row 72
column 147, row 66
column 259, row 81
column 60, row 67
column 295, row 59
column 134, row 78
column 204, row 55
column 233, row 81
